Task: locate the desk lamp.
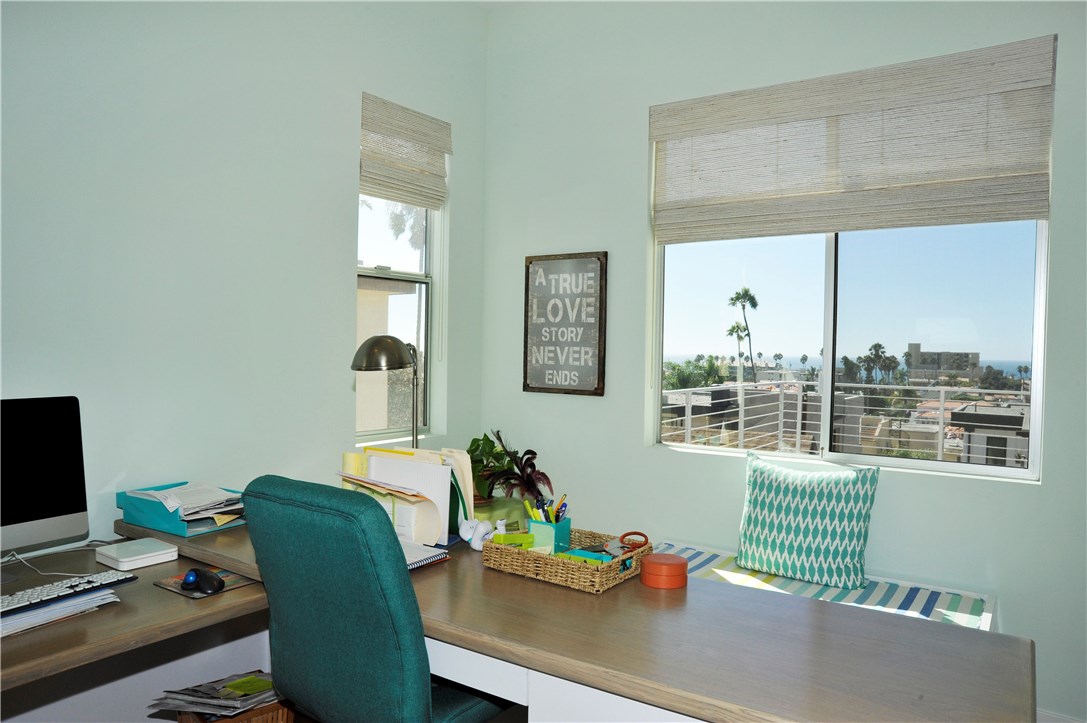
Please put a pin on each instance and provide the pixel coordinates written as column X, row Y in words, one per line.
column 383, row 353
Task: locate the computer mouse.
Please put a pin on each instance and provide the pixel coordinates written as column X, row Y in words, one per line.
column 202, row 579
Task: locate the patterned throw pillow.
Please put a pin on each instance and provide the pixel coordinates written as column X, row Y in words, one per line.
column 807, row 525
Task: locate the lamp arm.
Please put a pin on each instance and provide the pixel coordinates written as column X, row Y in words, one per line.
column 414, row 396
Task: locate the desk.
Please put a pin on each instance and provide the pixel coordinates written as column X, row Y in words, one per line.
column 145, row 615
column 709, row 651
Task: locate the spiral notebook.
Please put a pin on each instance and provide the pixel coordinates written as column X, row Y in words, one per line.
column 419, row 555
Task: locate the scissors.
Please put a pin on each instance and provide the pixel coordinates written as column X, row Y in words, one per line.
column 626, row 542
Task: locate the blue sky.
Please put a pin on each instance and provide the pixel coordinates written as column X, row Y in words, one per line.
column 950, row 288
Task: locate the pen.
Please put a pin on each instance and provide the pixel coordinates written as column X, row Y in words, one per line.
column 561, row 500
column 560, row 512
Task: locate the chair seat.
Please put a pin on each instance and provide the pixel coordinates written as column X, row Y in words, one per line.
column 453, row 705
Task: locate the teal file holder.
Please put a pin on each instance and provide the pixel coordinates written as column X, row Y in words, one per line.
column 559, row 531
column 153, row 514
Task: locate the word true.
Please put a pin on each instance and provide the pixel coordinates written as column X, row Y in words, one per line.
column 581, row 282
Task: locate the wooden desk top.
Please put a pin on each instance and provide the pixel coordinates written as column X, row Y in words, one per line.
column 712, row 650
column 146, row 614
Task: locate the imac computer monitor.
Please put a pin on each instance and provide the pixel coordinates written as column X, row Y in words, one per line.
column 43, row 493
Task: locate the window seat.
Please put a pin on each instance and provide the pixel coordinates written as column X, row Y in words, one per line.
column 958, row 608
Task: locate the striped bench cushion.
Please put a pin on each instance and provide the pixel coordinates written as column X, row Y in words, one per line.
column 969, row 610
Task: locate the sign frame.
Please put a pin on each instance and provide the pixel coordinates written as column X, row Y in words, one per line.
column 581, row 307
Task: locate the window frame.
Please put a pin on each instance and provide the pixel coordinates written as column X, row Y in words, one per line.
column 827, row 384
column 432, row 258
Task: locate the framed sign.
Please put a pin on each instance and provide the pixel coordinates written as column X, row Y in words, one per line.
column 565, row 305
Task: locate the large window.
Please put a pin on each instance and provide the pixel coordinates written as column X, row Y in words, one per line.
column 854, row 266
column 930, row 333
column 402, row 194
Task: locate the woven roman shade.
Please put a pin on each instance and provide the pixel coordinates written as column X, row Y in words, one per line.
column 961, row 138
column 402, row 154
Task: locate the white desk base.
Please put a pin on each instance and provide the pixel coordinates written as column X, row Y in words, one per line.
column 548, row 698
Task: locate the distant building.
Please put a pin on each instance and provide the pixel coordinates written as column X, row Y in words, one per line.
column 934, row 364
column 994, row 435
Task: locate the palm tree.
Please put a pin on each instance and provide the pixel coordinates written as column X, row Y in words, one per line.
column 887, row 366
column 777, row 359
column 739, row 331
column 877, row 354
column 850, row 370
column 868, row 364
column 1023, row 370
column 744, row 298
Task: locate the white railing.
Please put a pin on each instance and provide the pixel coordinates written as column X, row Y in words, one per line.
column 954, row 424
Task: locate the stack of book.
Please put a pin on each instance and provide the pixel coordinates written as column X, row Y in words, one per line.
column 62, row 608
column 226, row 697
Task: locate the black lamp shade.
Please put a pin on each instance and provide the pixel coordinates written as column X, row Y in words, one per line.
column 382, row 353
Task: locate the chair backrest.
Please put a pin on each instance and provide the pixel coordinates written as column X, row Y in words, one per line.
column 345, row 631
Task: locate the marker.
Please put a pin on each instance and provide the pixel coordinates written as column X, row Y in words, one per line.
column 560, row 513
column 528, row 509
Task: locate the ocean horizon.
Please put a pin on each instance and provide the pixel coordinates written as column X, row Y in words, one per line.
column 1008, row 366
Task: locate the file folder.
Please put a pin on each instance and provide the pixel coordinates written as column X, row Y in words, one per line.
column 153, row 514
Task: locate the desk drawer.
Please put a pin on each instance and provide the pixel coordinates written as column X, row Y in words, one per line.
column 478, row 671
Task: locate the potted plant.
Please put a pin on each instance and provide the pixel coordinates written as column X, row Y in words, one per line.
column 521, row 476
column 497, row 466
column 487, row 459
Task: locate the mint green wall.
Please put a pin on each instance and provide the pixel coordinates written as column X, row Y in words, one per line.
column 178, row 228
column 179, row 225
column 567, row 161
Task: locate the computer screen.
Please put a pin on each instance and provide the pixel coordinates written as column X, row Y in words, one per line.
column 43, row 490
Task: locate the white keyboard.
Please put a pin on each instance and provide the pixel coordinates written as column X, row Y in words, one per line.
column 63, row 589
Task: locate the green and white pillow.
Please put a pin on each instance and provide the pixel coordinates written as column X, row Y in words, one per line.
column 811, row 526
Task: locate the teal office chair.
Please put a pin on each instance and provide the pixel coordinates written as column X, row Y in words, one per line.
column 345, row 630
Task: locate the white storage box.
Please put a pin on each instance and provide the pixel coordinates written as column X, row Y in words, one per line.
column 136, row 553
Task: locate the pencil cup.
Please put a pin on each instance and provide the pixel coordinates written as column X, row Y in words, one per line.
column 555, row 535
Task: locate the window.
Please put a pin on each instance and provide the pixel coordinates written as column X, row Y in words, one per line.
column 932, row 339
column 402, row 191
column 393, row 294
column 909, row 324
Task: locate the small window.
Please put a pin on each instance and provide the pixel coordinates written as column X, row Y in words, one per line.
column 393, row 295
column 403, row 162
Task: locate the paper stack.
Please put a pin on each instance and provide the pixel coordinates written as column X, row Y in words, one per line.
column 195, row 501
column 225, row 697
column 63, row 608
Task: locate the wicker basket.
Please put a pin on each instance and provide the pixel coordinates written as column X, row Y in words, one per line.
column 275, row 712
column 578, row 575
